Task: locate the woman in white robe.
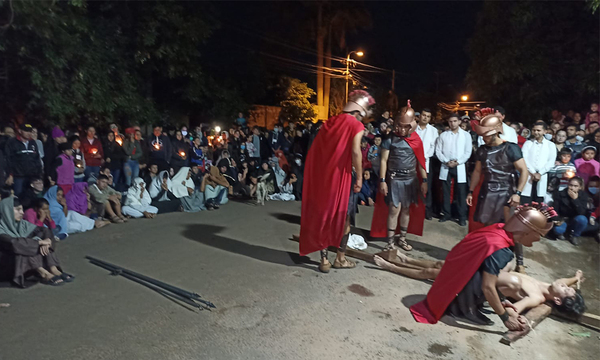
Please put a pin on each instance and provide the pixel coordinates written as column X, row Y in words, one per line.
column 138, row 201
column 161, row 192
column 185, row 190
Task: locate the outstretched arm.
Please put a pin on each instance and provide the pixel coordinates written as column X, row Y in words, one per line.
column 528, row 303
column 573, row 280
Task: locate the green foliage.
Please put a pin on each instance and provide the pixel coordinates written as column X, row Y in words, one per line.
column 594, row 5
column 532, row 56
column 296, row 106
column 126, row 60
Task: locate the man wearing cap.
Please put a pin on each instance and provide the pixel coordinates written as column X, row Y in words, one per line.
column 492, row 195
column 539, row 155
column 330, row 189
column 428, row 135
column 508, row 134
column 23, row 158
column 403, row 183
column 470, row 273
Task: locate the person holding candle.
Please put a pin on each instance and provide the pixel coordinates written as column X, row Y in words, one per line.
column 180, row 155
column 93, row 152
column 160, row 148
column 115, row 156
column 134, row 152
column 78, row 159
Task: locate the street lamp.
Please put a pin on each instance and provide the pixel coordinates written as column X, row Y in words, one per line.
column 464, row 97
column 358, row 53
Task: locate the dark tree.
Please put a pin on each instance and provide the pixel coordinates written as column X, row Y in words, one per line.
column 533, row 56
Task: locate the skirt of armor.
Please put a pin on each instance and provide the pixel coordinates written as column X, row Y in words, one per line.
column 490, row 206
column 403, row 190
column 352, row 202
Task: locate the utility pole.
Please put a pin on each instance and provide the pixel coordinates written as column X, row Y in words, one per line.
column 347, row 72
column 393, row 79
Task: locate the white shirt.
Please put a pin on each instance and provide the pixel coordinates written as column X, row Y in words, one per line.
column 539, row 158
column 454, row 146
column 508, row 134
column 428, row 136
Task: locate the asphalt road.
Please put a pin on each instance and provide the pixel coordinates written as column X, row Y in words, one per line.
column 271, row 304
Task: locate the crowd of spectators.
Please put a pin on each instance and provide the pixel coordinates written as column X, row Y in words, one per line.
column 76, row 179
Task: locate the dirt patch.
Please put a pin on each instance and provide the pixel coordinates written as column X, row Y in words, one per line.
column 439, row 349
column 403, row 329
column 360, row 290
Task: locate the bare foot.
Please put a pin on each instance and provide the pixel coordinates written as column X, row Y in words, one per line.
column 100, row 223
column 401, row 256
column 54, row 270
column 382, row 263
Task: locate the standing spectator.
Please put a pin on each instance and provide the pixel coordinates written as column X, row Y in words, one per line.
column 367, row 193
column 145, row 159
column 114, row 156
column 22, row 158
column 63, row 170
column 559, row 139
column 51, row 147
column 241, row 121
column 261, row 143
column 428, row 135
column 592, row 127
column 586, row 165
column 276, row 138
column 93, row 152
column 539, row 155
column 159, row 148
column 250, row 148
column 593, row 110
column 374, row 155
column 197, row 156
column 574, row 142
column 181, row 150
column 78, row 159
column 40, row 145
column 571, row 205
column 133, row 151
column 453, row 149
column 364, row 150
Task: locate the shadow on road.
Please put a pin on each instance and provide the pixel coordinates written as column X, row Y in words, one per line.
column 410, row 300
column 292, row 219
column 208, row 235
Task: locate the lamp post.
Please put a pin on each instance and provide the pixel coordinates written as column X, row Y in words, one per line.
column 358, row 53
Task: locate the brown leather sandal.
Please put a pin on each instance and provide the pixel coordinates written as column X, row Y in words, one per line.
column 401, row 241
column 346, row 264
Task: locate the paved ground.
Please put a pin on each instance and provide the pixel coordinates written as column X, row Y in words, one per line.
column 271, row 304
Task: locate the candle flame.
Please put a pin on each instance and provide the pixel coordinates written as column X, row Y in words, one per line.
column 94, row 151
column 156, row 146
column 120, row 142
column 182, row 153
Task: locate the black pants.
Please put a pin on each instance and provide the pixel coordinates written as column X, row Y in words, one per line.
column 460, row 196
column 534, row 196
column 429, row 198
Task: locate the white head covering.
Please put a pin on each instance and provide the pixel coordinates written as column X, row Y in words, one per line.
column 156, row 186
column 181, row 183
column 134, row 194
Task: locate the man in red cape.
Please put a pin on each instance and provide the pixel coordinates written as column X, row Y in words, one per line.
column 403, row 184
column 482, row 254
column 329, row 192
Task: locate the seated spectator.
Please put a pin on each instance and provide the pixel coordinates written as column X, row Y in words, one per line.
column 106, row 200
column 198, row 157
column 63, row 168
column 138, row 201
column 25, row 248
column 185, row 190
column 67, row 221
column 286, row 190
column 197, row 176
column 78, row 159
column 298, row 170
column 104, row 170
column 216, row 187
column 39, row 214
column 588, row 134
column 279, row 172
column 150, row 175
column 78, row 199
column 161, row 192
column 586, row 165
column 34, row 191
column 592, row 191
column 367, row 194
column 571, row 205
column 364, row 149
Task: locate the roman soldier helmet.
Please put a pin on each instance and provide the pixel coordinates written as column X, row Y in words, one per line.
column 490, row 124
column 406, row 115
column 535, row 216
column 361, row 101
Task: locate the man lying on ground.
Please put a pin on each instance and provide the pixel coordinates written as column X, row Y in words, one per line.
column 525, row 290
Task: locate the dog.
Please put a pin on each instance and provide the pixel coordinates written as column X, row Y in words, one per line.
column 262, row 191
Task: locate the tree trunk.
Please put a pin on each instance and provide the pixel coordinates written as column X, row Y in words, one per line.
column 327, row 78
column 320, row 40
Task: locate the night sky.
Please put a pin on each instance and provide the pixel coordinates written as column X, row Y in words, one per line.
column 425, row 42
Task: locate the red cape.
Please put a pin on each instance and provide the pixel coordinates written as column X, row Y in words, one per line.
column 417, row 211
column 461, row 263
column 327, row 181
